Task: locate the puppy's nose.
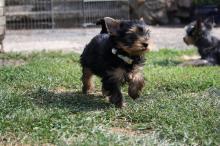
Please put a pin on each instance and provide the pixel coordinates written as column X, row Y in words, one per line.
column 184, row 39
column 145, row 45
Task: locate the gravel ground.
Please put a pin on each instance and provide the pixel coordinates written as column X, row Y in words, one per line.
column 75, row 39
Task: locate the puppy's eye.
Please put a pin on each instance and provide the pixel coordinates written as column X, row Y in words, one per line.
column 140, row 29
column 189, row 32
column 143, row 32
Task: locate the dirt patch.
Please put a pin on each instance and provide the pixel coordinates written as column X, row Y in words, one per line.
column 11, row 62
column 59, row 90
column 127, row 132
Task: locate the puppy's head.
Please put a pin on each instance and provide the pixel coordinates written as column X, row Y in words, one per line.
column 196, row 30
column 130, row 36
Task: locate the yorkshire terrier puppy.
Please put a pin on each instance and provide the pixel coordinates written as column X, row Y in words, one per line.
column 198, row 33
column 117, row 56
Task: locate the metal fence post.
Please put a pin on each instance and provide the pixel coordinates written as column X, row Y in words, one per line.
column 52, row 14
column 2, row 23
column 83, row 10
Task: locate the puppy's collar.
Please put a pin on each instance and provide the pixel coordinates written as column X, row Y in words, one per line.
column 122, row 57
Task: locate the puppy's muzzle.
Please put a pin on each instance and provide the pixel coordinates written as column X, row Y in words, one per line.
column 187, row 40
column 184, row 39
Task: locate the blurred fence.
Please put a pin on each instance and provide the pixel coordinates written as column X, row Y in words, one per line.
column 40, row 14
column 2, row 18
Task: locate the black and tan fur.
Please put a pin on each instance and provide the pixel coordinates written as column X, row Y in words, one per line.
column 117, row 56
column 198, row 33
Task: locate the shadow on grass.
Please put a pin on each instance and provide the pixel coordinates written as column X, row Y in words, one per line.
column 167, row 62
column 73, row 101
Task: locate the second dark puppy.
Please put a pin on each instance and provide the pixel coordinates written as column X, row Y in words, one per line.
column 117, row 57
column 198, row 33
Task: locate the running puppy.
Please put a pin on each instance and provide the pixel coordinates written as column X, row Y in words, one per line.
column 117, row 57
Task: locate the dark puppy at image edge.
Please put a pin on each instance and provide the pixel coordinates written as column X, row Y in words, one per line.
column 198, row 33
column 117, row 56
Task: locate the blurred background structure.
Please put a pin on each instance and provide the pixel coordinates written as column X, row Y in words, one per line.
column 174, row 12
column 32, row 14
column 34, row 24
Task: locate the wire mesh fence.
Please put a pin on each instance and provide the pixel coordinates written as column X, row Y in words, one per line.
column 23, row 14
column 94, row 9
column 44, row 14
column 2, row 17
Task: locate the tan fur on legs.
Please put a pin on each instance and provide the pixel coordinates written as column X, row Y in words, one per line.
column 136, row 83
column 87, row 81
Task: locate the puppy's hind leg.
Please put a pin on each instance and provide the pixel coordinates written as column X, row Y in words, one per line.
column 112, row 90
column 87, row 80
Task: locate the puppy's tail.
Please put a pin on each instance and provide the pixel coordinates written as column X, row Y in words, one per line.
column 102, row 23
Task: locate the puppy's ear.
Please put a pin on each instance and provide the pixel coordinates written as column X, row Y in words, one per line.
column 209, row 23
column 112, row 25
column 100, row 22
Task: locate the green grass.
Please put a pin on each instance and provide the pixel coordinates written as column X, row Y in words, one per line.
column 41, row 102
